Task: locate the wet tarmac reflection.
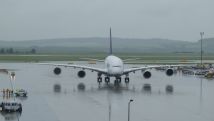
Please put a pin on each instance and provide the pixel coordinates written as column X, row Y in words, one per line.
column 66, row 97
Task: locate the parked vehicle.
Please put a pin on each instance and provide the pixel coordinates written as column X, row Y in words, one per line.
column 11, row 106
column 20, row 93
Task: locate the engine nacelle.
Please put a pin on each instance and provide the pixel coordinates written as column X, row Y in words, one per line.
column 57, row 71
column 81, row 74
column 169, row 72
column 147, row 74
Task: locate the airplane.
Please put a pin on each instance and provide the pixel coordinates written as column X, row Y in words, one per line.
column 114, row 67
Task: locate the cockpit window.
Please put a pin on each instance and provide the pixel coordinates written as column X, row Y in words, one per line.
column 116, row 66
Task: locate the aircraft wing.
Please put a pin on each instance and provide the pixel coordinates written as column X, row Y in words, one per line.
column 126, row 71
column 92, row 59
column 130, row 59
column 99, row 70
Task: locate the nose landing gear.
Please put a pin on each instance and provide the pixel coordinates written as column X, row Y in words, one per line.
column 117, row 81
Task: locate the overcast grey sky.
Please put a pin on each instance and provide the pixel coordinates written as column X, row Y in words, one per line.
column 170, row 19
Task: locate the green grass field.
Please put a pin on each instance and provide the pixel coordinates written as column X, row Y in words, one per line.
column 141, row 58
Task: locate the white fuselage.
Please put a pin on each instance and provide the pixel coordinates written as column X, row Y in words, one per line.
column 114, row 66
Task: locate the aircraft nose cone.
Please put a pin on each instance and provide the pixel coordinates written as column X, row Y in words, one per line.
column 117, row 71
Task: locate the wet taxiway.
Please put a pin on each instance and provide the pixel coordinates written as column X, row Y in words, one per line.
column 57, row 98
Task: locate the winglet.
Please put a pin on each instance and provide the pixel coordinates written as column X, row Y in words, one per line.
column 110, row 43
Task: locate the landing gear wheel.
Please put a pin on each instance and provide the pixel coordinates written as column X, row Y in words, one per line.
column 126, row 80
column 107, row 80
column 99, row 80
column 20, row 109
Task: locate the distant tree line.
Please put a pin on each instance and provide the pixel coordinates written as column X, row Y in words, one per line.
column 14, row 51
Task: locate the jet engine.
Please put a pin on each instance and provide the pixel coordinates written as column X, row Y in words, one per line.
column 81, row 74
column 147, row 74
column 57, row 71
column 169, row 72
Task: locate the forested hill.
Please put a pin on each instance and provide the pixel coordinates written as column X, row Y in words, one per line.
column 101, row 45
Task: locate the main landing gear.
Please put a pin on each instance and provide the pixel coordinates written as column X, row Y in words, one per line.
column 127, row 80
column 99, row 80
column 107, row 80
column 116, row 81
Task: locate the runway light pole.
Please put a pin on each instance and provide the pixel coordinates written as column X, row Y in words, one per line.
column 131, row 100
column 201, row 33
column 202, row 67
column 12, row 78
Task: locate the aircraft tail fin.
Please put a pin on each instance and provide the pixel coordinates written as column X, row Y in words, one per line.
column 110, row 51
